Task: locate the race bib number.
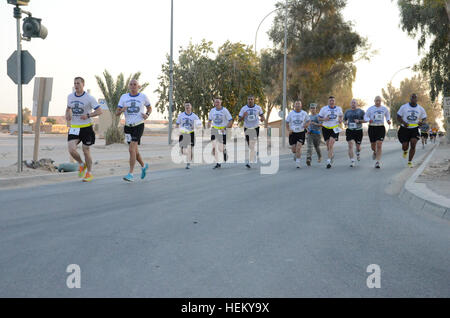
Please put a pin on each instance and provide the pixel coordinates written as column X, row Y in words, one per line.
column 379, row 117
column 251, row 117
column 128, row 137
column 337, row 130
column 74, row 131
column 352, row 125
column 221, row 132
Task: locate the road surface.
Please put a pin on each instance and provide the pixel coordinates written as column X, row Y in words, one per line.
column 229, row 233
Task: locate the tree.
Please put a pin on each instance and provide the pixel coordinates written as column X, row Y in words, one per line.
column 238, row 75
column 194, row 81
column 272, row 80
column 398, row 97
column 429, row 20
column 112, row 91
column 26, row 116
column 199, row 77
column 322, row 48
column 51, row 121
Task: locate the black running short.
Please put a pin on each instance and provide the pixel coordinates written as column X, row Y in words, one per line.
column 215, row 135
column 406, row 134
column 329, row 133
column 354, row 134
column 377, row 133
column 86, row 136
column 294, row 138
column 187, row 139
column 134, row 133
column 424, row 135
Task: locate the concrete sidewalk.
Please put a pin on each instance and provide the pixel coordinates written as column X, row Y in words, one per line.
column 429, row 187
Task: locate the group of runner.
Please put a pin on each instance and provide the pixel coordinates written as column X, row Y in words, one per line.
column 302, row 127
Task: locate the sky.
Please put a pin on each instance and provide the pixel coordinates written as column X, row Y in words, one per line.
column 86, row 37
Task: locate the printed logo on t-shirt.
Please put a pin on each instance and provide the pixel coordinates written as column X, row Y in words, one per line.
column 77, row 110
column 133, row 109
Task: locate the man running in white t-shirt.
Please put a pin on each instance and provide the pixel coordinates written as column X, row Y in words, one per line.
column 136, row 107
column 186, row 122
column 251, row 115
column 331, row 117
column 219, row 120
column 78, row 113
column 411, row 116
column 376, row 116
column 297, row 123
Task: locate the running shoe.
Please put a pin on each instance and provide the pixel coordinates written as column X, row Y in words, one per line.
column 188, row 166
column 352, row 165
column 377, row 165
column 298, row 165
column 248, row 166
column 308, row 162
column 410, row 164
column 358, row 156
column 217, row 166
column 129, row 177
column 88, row 177
column 144, row 171
column 405, row 154
column 329, row 165
column 82, row 171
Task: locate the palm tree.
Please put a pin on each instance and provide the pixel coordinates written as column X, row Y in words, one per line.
column 112, row 91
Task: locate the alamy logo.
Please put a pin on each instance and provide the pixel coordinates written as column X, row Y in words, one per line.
column 238, row 150
column 374, row 279
column 74, row 279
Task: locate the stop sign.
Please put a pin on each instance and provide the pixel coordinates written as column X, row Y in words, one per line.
column 28, row 67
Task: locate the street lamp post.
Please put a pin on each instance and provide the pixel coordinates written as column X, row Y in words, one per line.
column 171, row 76
column 285, row 77
column 283, row 128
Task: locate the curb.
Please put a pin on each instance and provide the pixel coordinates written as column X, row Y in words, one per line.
column 420, row 196
column 20, row 181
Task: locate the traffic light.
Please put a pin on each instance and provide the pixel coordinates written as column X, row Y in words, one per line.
column 32, row 28
column 19, row 2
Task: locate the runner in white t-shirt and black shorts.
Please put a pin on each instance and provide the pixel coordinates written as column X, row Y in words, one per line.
column 296, row 123
column 219, row 120
column 376, row 116
column 331, row 117
column 251, row 114
column 186, row 122
column 137, row 108
column 78, row 113
column 411, row 116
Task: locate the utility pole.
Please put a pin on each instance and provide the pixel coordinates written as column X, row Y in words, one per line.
column 171, row 76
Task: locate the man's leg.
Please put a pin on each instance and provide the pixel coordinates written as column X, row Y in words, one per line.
column 133, row 153
column 87, row 157
column 139, row 157
column 350, row 150
column 310, row 147
column 73, row 151
column 379, row 145
column 330, row 146
column 412, row 151
column 298, row 150
column 316, row 141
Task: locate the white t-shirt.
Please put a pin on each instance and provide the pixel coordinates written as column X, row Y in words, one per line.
column 297, row 121
column 377, row 114
column 187, row 122
column 333, row 114
column 220, row 118
column 81, row 105
column 412, row 115
column 252, row 120
column 135, row 107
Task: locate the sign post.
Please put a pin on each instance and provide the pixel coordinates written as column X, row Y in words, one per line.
column 447, row 116
column 41, row 99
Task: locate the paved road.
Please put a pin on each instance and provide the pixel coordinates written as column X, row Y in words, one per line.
column 227, row 233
